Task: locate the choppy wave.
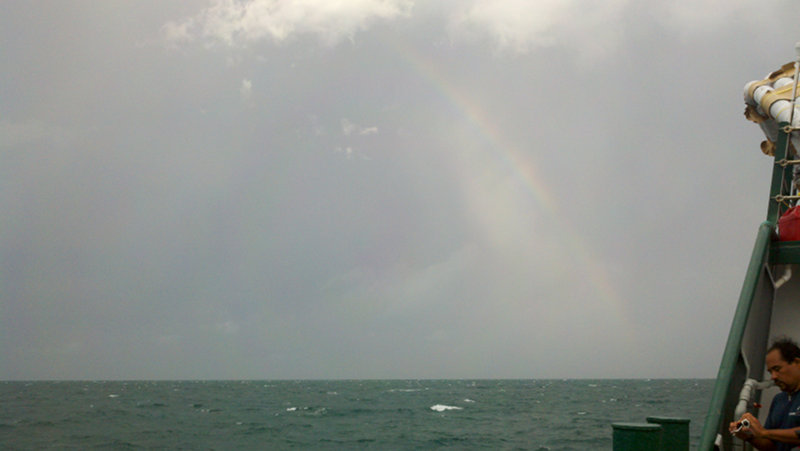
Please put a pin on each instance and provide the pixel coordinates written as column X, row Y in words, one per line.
column 442, row 408
column 524, row 414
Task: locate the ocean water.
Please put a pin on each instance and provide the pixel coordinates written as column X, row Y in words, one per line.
column 321, row 415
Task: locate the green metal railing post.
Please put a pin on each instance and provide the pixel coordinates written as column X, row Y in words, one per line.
column 734, row 344
column 780, row 186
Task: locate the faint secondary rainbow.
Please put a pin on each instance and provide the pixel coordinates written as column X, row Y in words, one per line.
column 522, row 166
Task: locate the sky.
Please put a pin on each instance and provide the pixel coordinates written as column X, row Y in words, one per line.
column 316, row 189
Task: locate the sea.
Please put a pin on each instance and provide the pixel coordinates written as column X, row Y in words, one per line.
column 574, row 414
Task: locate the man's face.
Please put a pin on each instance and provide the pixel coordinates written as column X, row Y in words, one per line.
column 786, row 375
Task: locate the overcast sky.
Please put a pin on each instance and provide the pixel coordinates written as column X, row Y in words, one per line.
column 378, row 188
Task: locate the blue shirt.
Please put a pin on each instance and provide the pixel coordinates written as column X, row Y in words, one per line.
column 784, row 413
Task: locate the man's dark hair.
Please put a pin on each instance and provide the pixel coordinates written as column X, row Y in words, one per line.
column 787, row 347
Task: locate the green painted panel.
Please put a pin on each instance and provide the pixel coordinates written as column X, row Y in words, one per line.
column 636, row 437
column 784, row 252
column 675, row 432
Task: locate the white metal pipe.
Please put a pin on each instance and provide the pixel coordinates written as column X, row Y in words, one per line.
column 747, row 98
column 781, row 82
column 778, row 111
column 784, row 278
column 758, row 94
column 781, row 111
column 746, row 395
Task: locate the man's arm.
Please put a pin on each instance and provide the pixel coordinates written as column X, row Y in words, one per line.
column 761, row 444
column 789, row 436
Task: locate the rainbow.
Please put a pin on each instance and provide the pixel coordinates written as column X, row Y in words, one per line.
column 523, row 167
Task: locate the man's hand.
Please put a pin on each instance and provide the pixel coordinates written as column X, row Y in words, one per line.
column 747, row 427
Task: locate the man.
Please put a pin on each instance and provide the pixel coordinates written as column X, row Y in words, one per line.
column 781, row 431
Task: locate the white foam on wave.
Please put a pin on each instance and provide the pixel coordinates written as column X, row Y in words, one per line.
column 442, row 408
column 468, row 400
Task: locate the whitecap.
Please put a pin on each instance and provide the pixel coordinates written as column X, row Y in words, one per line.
column 113, row 396
column 468, row 400
column 442, row 408
column 291, row 409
